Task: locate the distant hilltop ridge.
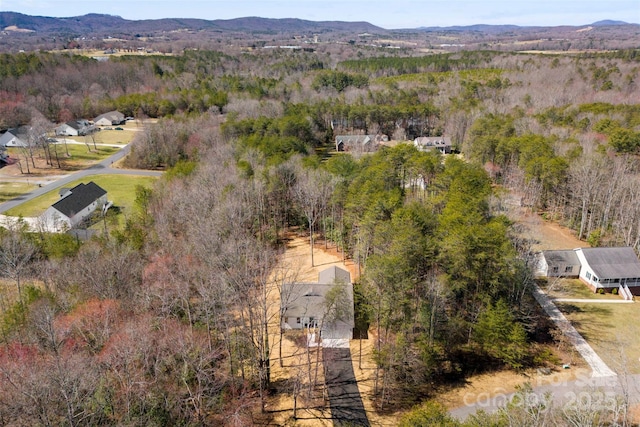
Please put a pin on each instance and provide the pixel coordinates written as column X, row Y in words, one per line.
column 102, row 23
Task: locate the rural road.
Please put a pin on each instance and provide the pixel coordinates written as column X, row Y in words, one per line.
column 344, row 397
column 103, row 167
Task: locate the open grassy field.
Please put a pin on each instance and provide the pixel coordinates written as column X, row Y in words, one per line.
column 79, row 157
column 11, row 190
column 120, row 189
column 611, row 329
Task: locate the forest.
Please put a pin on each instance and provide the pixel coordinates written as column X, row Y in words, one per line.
column 164, row 321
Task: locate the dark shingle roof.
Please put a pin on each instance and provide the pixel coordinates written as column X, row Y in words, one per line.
column 613, row 263
column 82, row 195
column 562, row 257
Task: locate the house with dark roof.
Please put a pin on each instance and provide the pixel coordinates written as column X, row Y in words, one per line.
column 15, row 137
column 325, row 306
column 111, row 118
column 598, row 268
column 75, row 205
column 429, row 143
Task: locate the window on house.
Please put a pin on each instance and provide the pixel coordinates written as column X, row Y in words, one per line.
column 555, row 269
column 297, row 320
column 588, row 274
column 568, row 269
column 286, row 320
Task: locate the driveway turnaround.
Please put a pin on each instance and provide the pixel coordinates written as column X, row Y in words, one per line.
column 345, row 401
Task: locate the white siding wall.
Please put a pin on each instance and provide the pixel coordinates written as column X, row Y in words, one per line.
column 80, row 216
column 586, row 273
column 53, row 220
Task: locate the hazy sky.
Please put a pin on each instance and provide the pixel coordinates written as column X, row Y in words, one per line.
column 387, row 14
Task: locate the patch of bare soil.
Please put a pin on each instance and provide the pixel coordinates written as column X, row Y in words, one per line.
column 295, row 265
column 41, row 169
column 546, row 235
column 495, row 386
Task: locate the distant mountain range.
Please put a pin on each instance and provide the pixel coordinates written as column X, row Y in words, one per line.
column 98, row 23
column 105, row 24
column 502, row 28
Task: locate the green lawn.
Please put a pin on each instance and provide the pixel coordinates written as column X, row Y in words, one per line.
column 611, row 329
column 79, row 156
column 573, row 288
column 11, row 190
column 120, row 189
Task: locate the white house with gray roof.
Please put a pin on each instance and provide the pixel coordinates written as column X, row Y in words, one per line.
column 598, row 268
column 326, row 305
column 110, row 118
column 15, row 137
column 429, row 143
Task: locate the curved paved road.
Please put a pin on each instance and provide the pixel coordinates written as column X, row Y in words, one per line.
column 104, row 167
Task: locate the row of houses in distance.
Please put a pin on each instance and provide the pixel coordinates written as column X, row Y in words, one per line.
column 83, row 127
column 371, row 143
column 22, row 136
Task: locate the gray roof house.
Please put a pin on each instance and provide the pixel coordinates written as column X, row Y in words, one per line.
column 609, row 268
column 326, row 306
column 563, row 263
column 15, row 137
column 78, row 127
column 598, row 268
column 74, row 206
column 110, row 118
column 428, row 143
column 359, row 143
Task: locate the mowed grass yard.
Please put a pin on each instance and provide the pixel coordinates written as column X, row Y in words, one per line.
column 120, row 190
column 79, row 158
column 109, row 136
column 611, row 329
column 11, row 190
